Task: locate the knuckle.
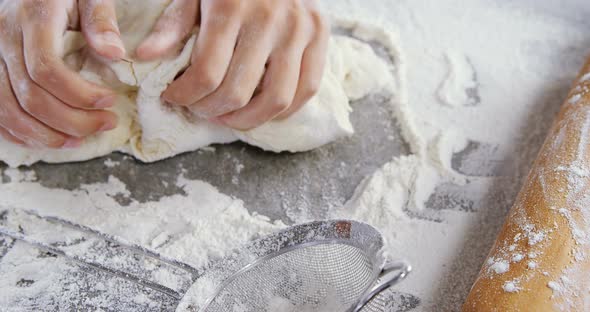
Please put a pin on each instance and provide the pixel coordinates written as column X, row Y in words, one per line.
column 226, row 6
column 31, row 106
column 311, row 89
column 266, row 14
column 280, row 104
column 319, row 21
column 234, row 101
column 208, row 80
column 294, row 11
column 40, row 74
column 299, row 28
column 42, row 69
column 33, row 9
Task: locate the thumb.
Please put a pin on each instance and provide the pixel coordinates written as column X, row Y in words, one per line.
column 99, row 25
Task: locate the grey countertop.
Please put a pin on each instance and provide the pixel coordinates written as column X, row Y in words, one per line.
column 280, row 185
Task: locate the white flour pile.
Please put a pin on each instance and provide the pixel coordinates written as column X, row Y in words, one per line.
column 477, row 72
column 181, row 221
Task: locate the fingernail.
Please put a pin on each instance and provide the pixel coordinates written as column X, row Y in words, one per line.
column 72, row 143
column 108, row 126
column 105, row 102
column 111, row 41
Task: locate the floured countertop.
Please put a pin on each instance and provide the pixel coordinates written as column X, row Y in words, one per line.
column 435, row 166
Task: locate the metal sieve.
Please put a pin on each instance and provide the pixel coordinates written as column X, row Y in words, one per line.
column 319, row 266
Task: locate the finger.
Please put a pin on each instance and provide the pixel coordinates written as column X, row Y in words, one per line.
column 98, row 20
column 175, row 24
column 49, row 110
column 211, row 57
column 20, row 125
column 42, row 45
column 9, row 137
column 243, row 76
column 278, row 90
column 312, row 65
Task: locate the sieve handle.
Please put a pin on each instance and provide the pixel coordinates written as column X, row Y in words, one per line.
column 391, row 274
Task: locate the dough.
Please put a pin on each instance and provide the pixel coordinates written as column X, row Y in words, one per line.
column 151, row 131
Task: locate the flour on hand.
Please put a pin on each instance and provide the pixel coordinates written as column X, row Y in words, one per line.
column 150, row 130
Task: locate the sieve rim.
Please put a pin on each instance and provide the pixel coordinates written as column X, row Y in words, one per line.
column 374, row 274
column 361, row 236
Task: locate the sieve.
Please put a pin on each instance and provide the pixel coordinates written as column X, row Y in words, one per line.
column 333, row 265
column 319, row 266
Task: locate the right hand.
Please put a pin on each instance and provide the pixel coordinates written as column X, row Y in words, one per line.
column 42, row 102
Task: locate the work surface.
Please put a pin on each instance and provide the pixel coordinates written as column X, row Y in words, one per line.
column 294, row 187
column 270, row 184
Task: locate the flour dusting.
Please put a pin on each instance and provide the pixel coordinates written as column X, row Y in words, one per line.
column 511, row 287
column 467, row 95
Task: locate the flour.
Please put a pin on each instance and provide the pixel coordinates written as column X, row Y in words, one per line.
column 486, row 83
column 500, row 267
column 517, row 257
column 458, row 88
column 109, row 163
column 554, row 286
column 174, row 226
column 511, row 287
column 463, row 62
column 150, row 130
column 532, row 265
column 95, row 206
column 331, row 304
column 20, row 176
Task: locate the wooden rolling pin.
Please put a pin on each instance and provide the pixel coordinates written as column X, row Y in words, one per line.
column 541, row 258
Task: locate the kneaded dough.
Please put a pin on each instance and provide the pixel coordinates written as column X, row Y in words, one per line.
column 150, row 130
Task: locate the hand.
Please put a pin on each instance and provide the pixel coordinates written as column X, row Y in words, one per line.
column 42, row 102
column 254, row 60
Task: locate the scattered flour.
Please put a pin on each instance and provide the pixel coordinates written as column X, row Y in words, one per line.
column 554, row 286
column 458, row 88
column 511, row 286
column 500, row 267
column 109, row 163
column 489, row 79
column 532, row 265
column 202, row 213
column 517, row 257
column 331, row 304
column 16, row 175
column 575, row 98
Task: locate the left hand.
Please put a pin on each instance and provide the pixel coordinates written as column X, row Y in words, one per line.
column 253, row 61
column 43, row 103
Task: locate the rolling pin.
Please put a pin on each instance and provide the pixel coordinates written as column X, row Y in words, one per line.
column 540, row 260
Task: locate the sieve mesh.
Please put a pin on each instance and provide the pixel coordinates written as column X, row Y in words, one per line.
column 327, row 266
column 310, row 278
